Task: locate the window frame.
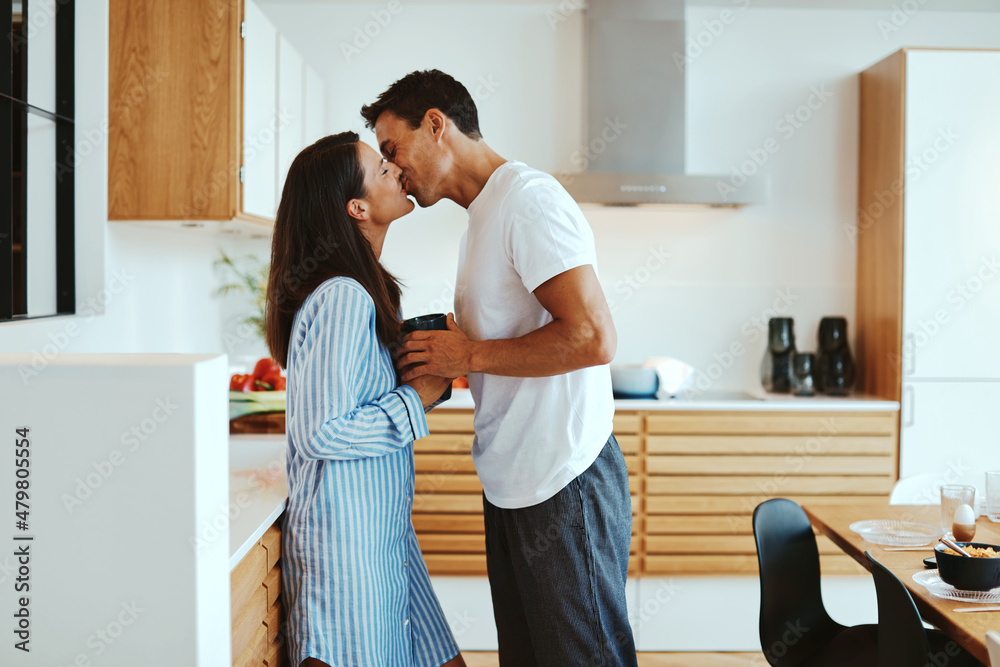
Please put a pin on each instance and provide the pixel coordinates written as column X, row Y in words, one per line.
column 13, row 109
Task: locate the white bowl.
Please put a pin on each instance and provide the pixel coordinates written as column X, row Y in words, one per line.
column 634, row 381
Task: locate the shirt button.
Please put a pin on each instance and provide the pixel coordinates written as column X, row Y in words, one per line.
column 406, row 621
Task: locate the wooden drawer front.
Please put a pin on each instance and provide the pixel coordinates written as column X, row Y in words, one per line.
column 450, row 421
column 255, row 650
column 272, row 621
column 721, row 465
column 276, row 654
column 627, row 422
column 249, row 620
column 787, row 445
column 816, row 424
column 246, row 578
column 448, row 523
column 737, row 564
column 271, row 541
column 447, row 483
column 443, row 463
column 431, row 501
column 629, row 444
column 444, row 443
column 737, row 504
column 771, row 485
column 464, row 564
column 272, row 582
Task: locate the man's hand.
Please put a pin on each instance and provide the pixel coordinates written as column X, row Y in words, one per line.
column 445, row 354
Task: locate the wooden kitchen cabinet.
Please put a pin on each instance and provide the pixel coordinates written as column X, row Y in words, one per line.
column 198, row 114
column 695, row 477
column 256, row 604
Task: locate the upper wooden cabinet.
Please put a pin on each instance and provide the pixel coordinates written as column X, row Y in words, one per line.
column 208, row 105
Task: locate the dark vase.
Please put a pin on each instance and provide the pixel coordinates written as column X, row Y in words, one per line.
column 803, row 369
column 835, row 374
column 776, row 368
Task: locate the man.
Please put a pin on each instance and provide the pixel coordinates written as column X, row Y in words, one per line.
column 537, row 339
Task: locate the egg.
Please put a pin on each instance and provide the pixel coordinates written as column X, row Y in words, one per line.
column 964, row 527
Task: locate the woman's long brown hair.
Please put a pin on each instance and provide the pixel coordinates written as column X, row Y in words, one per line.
column 315, row 239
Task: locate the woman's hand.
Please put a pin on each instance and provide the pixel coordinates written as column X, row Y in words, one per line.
column 429, row 388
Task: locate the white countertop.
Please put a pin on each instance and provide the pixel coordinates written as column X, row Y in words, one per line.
column 461, row 399
column 258, row 489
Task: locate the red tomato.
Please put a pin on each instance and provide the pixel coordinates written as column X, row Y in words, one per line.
column 265, row 366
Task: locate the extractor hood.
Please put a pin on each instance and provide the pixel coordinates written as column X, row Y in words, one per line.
column 635, row 127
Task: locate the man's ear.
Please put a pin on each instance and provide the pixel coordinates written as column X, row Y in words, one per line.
column 436, row 121
column 358, row 209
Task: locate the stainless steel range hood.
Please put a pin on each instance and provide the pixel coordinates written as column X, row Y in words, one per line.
column 634, row 151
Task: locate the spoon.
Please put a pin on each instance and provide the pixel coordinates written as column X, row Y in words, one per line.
column 951, row 545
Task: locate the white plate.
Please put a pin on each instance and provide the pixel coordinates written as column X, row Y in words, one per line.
column 895, row 533
column 931, row 580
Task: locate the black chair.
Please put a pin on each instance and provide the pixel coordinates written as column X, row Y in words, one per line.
column 902, row 639
column 795, row 629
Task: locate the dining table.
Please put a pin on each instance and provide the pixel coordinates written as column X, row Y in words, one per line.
column 968, row 629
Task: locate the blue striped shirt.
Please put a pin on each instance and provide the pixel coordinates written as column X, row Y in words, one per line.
column 354, row 580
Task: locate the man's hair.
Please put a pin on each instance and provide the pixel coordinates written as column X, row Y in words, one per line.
column 411, row 97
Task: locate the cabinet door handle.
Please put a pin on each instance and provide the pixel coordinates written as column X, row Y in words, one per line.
column 909, row 405
column 909, row 354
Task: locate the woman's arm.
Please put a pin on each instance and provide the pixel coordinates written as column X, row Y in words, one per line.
column 331, row 364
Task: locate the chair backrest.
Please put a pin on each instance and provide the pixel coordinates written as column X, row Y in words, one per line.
column 902, row 641
column 790, row 597
column 993, row 644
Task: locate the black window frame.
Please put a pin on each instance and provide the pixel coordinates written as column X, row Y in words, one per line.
column 15, row 110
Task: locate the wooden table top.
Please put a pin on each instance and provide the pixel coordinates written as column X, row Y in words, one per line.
column 967, row 629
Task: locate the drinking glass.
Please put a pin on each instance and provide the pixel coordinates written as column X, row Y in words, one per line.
column 954, row 496
column 993, row 495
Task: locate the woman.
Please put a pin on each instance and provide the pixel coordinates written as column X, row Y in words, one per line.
column 356, row 586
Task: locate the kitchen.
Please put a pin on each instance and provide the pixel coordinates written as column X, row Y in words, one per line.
column 772, row 101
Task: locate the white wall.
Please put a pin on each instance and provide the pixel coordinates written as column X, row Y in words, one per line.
column 727, row 268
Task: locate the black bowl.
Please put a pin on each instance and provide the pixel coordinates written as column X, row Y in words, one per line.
column 969, row 574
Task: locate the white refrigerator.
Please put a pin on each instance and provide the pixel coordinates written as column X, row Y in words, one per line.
column 950, row 421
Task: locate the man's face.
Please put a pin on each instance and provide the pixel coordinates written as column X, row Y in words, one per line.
column 415, row 152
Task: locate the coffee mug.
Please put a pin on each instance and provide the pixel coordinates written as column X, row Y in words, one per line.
column 435, row 322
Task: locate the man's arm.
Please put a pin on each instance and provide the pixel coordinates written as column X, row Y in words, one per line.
column 581, row 334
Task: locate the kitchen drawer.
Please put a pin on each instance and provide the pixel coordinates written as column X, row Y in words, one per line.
column 770, row 465
column 455, row 543
column 249, row 620
column 816, row 424
column 271, row 541
column 434, row 501
column 450, row 421
column 629, row 444
column 463, row 564
column 256, row 649
column 714, row 564
column 443, row 463
column 272, row 582
column 447, row 483
column 246, row 578
column 718, row 544
column 445, row 443
column 744, row 504
column 276, row 654
column 272, row 621
column 627, row 422
column 448, row 523
column 766, row 484
column 789, row 445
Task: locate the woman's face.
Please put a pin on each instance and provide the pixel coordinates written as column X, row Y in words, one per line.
column 386, row 199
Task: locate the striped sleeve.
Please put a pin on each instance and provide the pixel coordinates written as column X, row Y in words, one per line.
column 332, row 423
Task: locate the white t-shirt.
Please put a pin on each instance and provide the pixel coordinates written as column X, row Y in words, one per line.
column 533, row 435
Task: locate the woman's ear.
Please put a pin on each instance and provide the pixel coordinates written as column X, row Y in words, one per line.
column 358, row 209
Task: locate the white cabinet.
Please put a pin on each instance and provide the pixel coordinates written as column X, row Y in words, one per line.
column 949, row 426
column 283, row 110
column 260, row 117
column 951, row 239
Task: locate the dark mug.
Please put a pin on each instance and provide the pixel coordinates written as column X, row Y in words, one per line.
column 435, row 322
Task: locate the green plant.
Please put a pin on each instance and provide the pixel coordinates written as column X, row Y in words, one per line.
column 250, row 277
